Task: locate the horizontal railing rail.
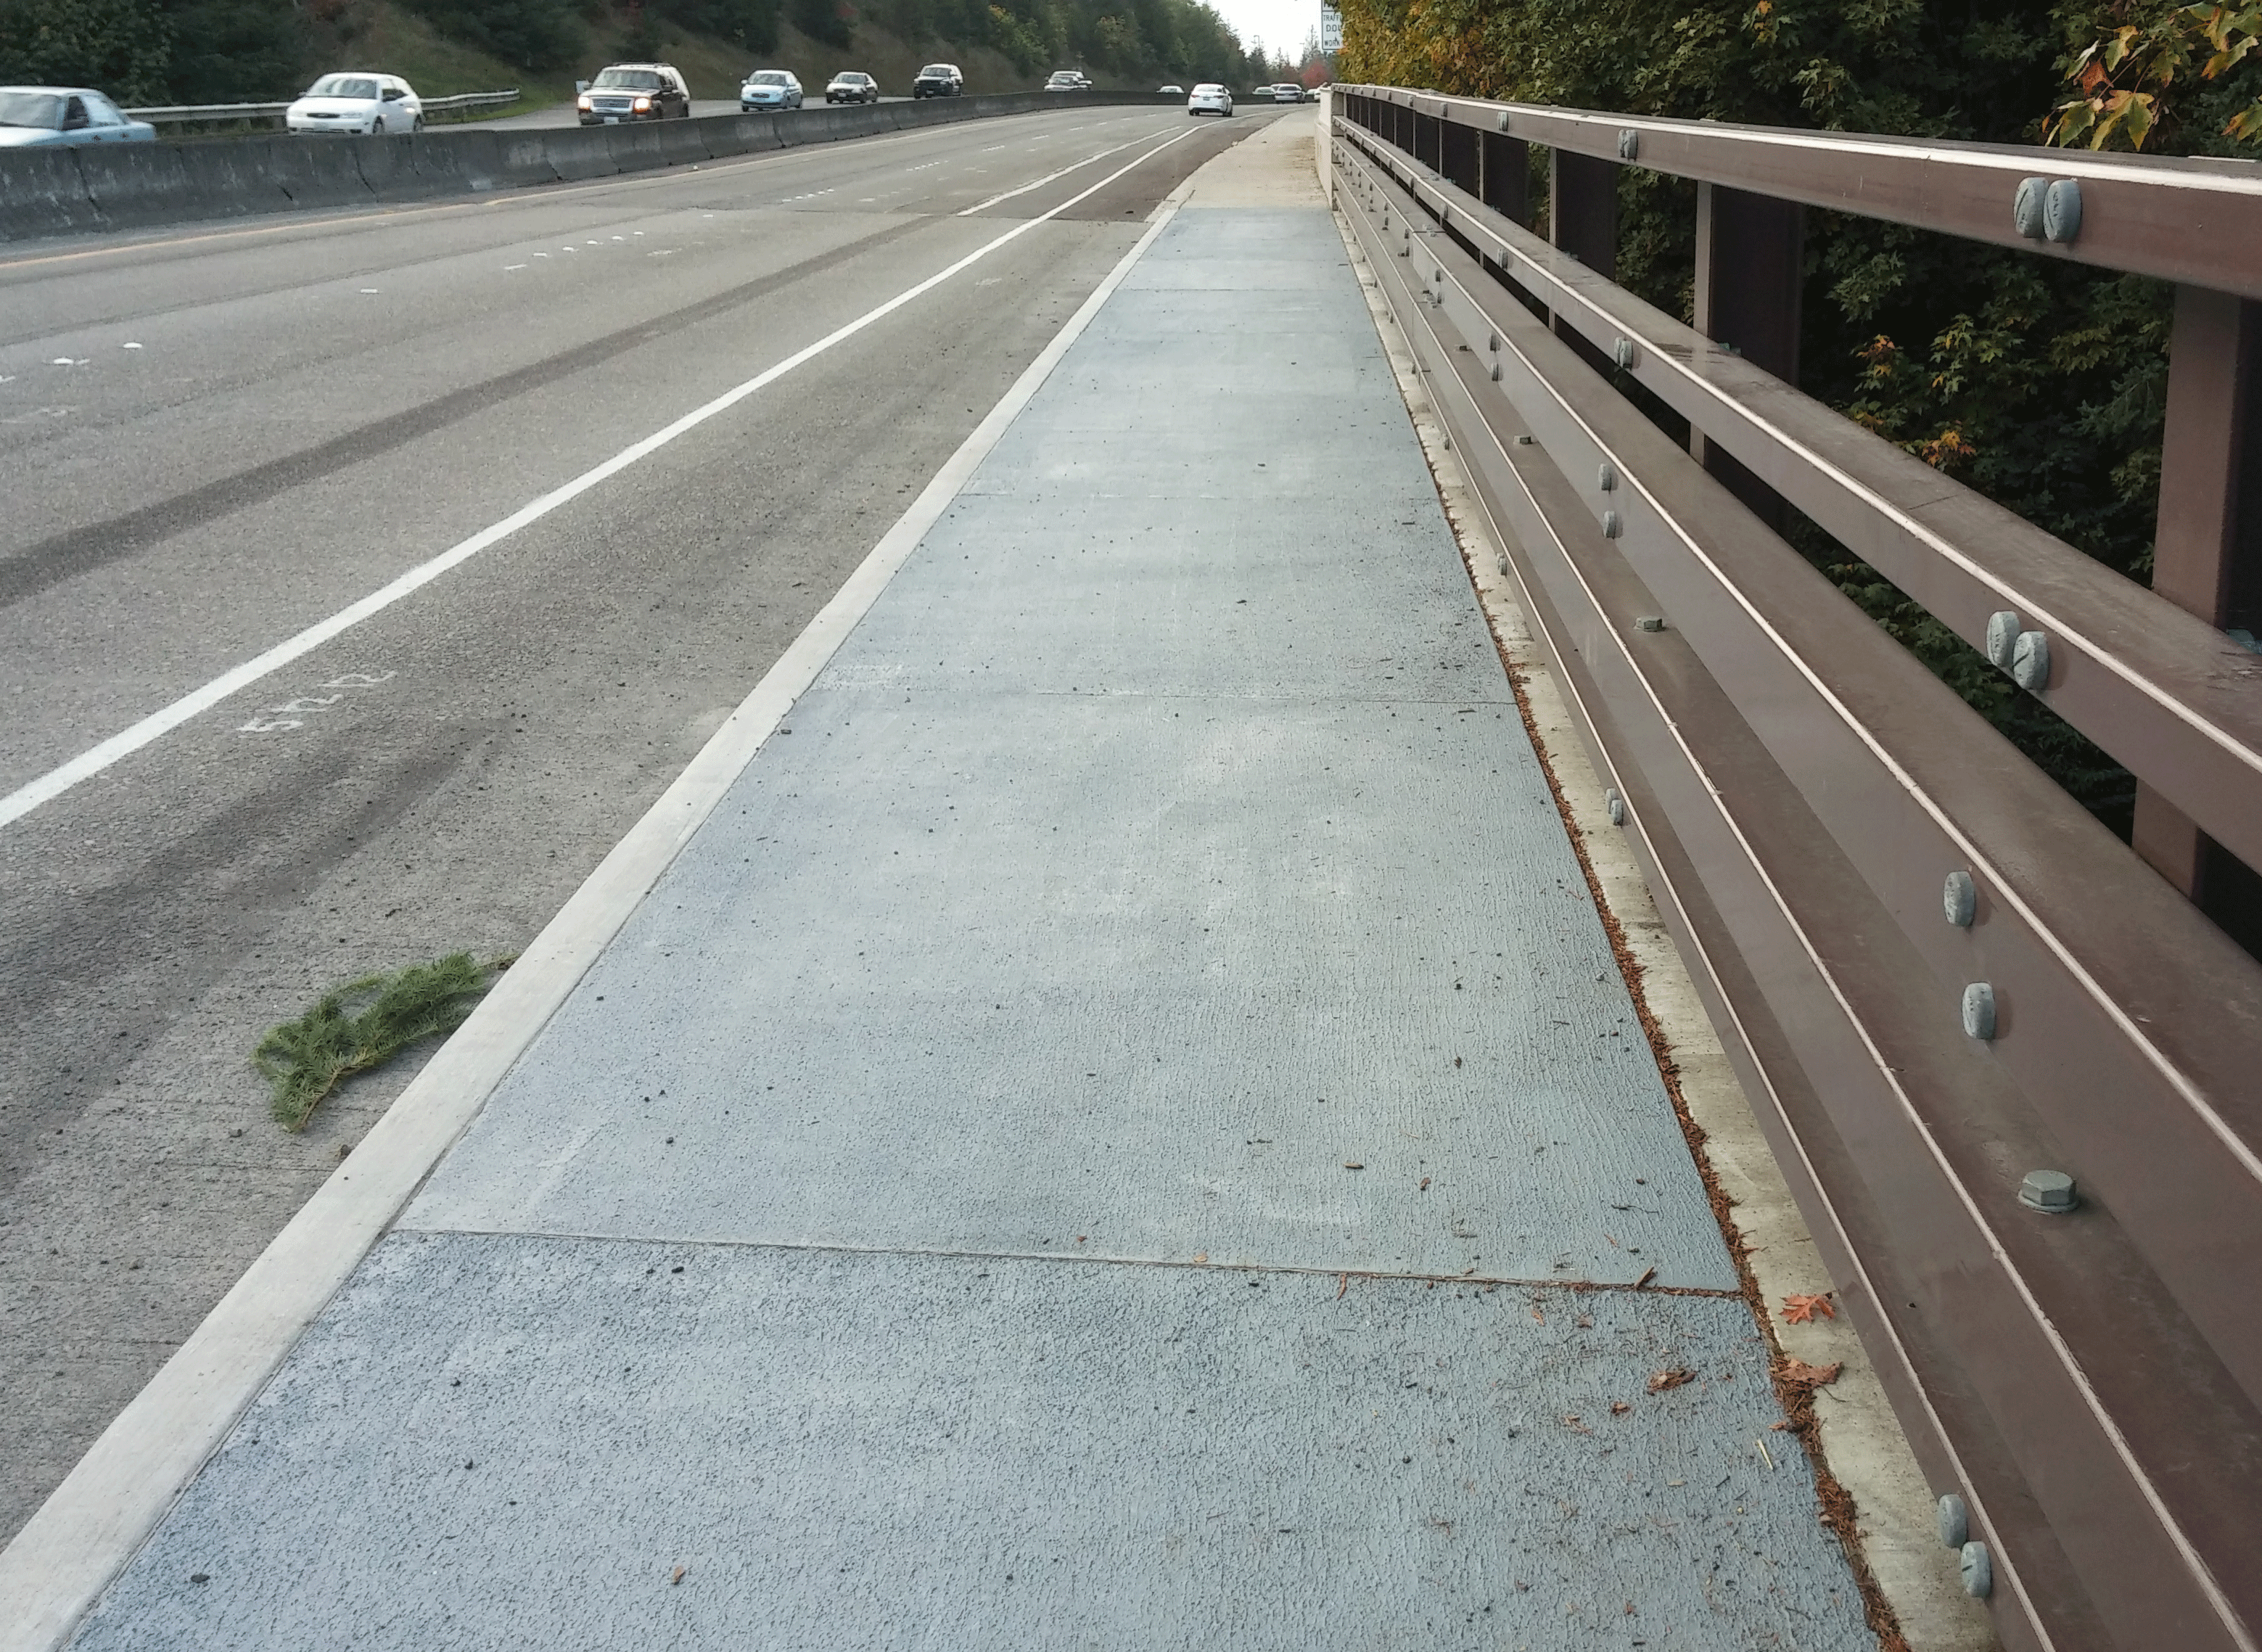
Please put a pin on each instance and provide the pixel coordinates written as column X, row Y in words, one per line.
column 1934, row 971
column 225, row 114
column 2184, row 219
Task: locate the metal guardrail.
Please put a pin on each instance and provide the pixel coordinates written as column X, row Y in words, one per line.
column 1935, row 971
column 247, row 114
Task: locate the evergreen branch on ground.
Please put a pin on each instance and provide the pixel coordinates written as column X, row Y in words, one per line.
column 363, row 1025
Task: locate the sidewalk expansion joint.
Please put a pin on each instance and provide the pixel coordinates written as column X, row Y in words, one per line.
column 1491, row 1281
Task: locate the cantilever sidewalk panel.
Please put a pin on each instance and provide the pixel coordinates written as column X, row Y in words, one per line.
column 1122, row 1129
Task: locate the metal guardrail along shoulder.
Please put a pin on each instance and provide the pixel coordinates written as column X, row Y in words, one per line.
column 1935, row 969
column 2196, row 220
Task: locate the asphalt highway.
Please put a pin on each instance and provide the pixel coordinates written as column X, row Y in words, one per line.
column 215, row 439
column 567, row 115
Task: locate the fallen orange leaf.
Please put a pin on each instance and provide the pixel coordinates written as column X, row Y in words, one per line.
column 1797, row 1310
column 1811, row 1376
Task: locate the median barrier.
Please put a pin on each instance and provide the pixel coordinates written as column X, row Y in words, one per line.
column 42, row 192
column 128, row 188
column 326, row 171
column 683, row 143
column 232, row 178
column 57, row 192
column 580, row 153
column 521, row 157
column 636, row 148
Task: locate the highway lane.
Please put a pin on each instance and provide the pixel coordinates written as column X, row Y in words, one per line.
column 318, row 405
column 569, row 115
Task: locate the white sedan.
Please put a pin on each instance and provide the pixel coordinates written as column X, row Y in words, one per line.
column 357, row 102
column 1209, row 99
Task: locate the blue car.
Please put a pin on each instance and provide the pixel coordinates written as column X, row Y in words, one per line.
column 51, row 116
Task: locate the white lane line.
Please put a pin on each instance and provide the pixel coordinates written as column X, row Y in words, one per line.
column 1072, row 166
column 67, row 1554
column 90, row 763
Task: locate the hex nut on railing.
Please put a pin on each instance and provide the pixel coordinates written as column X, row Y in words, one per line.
column 1611, row 526
column 2030, row 660
column 1495, row 372
column 2051, row 1192
column 1523, row 441
column 1618, row 807
column 1649, row 622
column 1503, row 120
column 1606, row 476
column 1624, row 352
column 2062, row 211
column 1979, row 1011
column 2026, row 208
column 1955, row 1522
column 1976, row 1570
column 1629, row 144
column 1959, row 899
column 2002, row 637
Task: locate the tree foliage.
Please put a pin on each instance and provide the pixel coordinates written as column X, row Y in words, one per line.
column 2039, row 384
column 124, row 47
column 532, row 34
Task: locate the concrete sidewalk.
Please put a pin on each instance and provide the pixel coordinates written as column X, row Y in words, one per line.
column 1124, row 1128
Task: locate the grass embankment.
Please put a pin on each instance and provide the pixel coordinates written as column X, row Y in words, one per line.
column 389, row 39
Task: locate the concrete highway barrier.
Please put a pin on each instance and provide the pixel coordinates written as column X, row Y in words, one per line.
column 50, row 192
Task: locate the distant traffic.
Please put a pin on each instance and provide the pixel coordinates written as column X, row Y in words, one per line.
column 367, row 103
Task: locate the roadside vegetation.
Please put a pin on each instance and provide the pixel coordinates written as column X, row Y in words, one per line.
column 2040, row 384
column 151, row 52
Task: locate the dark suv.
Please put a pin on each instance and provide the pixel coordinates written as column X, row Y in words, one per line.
column 940, row 79
column 635, row 91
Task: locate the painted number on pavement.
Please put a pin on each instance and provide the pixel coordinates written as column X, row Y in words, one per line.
column 293, row 712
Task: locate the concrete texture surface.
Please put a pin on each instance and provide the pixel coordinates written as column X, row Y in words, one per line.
column 982, row 1025
column 284, row 441
column 508, row 1443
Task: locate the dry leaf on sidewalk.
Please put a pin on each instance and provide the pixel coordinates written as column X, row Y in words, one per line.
column 1811, row 1376
column 1796, row 1311
column 1671, row 1377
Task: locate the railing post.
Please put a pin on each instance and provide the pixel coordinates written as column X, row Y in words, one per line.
column 2207, row 556
column 1750, row 272
column 1505, row 176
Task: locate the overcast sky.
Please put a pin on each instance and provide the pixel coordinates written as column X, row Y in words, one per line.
column 1280, row 24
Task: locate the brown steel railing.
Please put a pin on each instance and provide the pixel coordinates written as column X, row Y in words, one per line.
column 1935, row 973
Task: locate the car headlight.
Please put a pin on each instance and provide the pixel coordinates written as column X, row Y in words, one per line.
column 585, row 102
column 644, row 103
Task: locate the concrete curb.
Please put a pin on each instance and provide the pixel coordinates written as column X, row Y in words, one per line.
column 49, row 192
column 59, row 1565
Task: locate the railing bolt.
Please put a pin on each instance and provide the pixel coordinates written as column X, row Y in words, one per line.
column 1606, row 477
column 1959, row 899
column 2051, row 1192
column 1979, row 1011
column 1978, row 1572
column 2030, row 660
column 1611, row 526
column 1617, row 808
column 2026, row 208
column 1629, row 144
column 1649, row 622
column 2061, row 211
column 2002, row 637
column 1625, row 352
column 1523, row 441
column 1955, row 1523
column 1499, row 567
column 1503, row 120
column 1496, row 372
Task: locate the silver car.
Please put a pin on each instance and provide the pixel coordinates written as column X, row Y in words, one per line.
column 55, row 116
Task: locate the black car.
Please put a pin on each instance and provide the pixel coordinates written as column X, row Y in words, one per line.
column 851, row 86
column 635, row 91
column 940, row 79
